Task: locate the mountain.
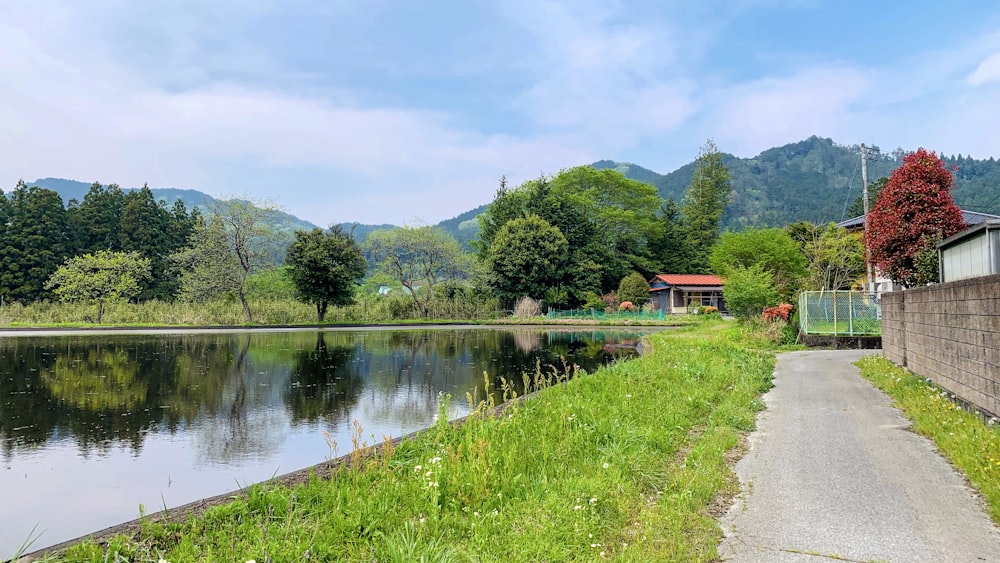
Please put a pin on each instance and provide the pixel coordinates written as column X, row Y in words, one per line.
column 813, row 180
column 74, row 190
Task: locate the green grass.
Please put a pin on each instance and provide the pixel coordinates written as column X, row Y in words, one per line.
column 972, row 445
column 622, row 464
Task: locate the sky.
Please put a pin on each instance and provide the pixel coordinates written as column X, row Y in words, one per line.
column 409, row 112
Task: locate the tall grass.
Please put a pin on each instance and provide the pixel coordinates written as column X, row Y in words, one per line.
column 968, row 441
column 228, row 312
column 621, row 464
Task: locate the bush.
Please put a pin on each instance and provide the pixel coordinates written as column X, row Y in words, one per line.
column 526, row 307
column 748, row 291
column 634, row 288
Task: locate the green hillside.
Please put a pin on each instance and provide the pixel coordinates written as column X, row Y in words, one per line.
column 813, row 180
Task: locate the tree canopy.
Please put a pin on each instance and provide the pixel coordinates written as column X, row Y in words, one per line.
column 913, row 211
column 704, row 203
column 419, row 258
column 527, row 257
column 325, row 267
column 103, row 277
column 773, row 250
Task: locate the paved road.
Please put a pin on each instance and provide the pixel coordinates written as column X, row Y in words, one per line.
column 832, row 473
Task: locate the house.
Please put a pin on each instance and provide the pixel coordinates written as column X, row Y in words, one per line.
column 684, row 293
column 971, row 253
column 883, row 284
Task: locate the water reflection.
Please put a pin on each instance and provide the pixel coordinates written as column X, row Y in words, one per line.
column 171, row 418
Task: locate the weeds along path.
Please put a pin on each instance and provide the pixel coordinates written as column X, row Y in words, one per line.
column 625, row 463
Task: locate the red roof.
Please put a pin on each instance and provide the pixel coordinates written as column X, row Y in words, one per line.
column 688, row 279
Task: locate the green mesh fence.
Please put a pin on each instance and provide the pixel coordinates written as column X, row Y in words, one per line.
column 839, row 313
column 602, row 316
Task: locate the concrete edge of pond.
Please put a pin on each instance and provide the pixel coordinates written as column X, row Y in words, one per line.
column 325, row 470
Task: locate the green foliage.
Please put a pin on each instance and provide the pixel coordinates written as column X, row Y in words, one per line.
column 419, row 258
column 36, row 241
column 103, row 277
column 771, row 249
column 669, row 244
column 634, row 288
column 527, row 257
column 857, row 208
column 208, row 269
column 704, row 203
column 836, row 259
column 274, row 284
column 325, row 267
column 749, row 290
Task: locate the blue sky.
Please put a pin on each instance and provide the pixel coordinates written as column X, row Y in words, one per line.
column 409, row 112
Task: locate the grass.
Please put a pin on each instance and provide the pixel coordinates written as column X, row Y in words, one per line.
column 971, row 444
column 625, row 464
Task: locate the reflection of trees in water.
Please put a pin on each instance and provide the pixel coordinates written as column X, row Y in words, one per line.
column 247, row 423
column 240, row 392
column 324, row 382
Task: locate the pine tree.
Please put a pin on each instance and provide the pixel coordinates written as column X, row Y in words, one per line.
column 704, row 203
column 35, row 243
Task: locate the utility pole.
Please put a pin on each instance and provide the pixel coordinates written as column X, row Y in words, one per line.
column 869, row 282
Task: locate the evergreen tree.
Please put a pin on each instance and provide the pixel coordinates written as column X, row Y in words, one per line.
column 35, row 243
column 704, row 203
column 145, row 228
column 95, row 221
column 528, row 257
column 669, row 246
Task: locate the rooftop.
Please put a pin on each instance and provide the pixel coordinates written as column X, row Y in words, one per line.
column 970, row 217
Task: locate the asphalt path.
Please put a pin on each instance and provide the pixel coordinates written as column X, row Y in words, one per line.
column 833, row 474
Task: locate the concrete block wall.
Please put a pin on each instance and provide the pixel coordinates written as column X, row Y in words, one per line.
column 949, row 332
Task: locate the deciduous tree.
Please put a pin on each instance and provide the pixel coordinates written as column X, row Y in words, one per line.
column 913, row 210
column 419, row 258
column 749, row 290
column 102, row 277
column 771, row 249
column 325, row 267
column 836, row 259
column 634, row 288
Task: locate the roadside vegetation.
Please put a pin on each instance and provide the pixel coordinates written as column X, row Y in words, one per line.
column 963, row 436
column 628, row 463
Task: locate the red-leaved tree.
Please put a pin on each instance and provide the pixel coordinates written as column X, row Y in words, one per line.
column 913, row 211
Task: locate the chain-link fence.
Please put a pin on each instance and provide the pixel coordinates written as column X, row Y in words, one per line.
column 843, row 313
column 598, row 315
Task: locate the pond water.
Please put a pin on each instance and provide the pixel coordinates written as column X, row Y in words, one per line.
column 94, row 426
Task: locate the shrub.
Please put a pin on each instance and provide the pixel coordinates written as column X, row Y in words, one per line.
column 778, row 312
column 749, row 291
column 626, row 306
column 526, row 307
column 634, row 288
column 610, row 301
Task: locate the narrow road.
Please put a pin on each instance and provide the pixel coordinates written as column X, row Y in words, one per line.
column 833, row 474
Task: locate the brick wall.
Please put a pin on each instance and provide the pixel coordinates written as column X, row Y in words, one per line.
column 948, row 332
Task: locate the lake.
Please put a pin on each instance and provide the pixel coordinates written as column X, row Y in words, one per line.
column 95, row 425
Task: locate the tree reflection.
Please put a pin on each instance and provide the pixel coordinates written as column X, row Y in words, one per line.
column 323, row 383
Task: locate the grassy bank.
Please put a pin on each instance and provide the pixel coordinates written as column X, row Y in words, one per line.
column 625, row 463
column 971, row 444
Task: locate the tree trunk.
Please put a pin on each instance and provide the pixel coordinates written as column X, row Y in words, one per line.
column 321, row 310
column 246, row 306
column 100, row 311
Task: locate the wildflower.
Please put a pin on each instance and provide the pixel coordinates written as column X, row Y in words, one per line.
column 434, row 460
column 606, row 465
column 593, row 500
column 428, row 474
column 578, row 507
column 418, row 468
column 603, row 554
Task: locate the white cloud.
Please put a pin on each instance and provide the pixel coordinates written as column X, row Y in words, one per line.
column 987, row 71
column 773, row 111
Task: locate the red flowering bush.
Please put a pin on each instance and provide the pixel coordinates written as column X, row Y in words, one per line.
column 914, row 209
column 779, row 312
column 626, row 306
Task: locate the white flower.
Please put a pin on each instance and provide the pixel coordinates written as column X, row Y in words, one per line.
column 578, row 507
column 607, row 465
column 434, row 460
column 428, row 474
column 593, row 500
column 418, row 468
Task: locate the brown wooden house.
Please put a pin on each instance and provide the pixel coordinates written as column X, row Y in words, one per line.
column 684, row 293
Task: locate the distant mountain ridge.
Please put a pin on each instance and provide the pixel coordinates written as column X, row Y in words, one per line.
column 812, row 180
column 75, row 190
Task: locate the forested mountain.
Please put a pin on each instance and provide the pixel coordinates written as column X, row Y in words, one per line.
column 813, row 180
column 72, row 189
